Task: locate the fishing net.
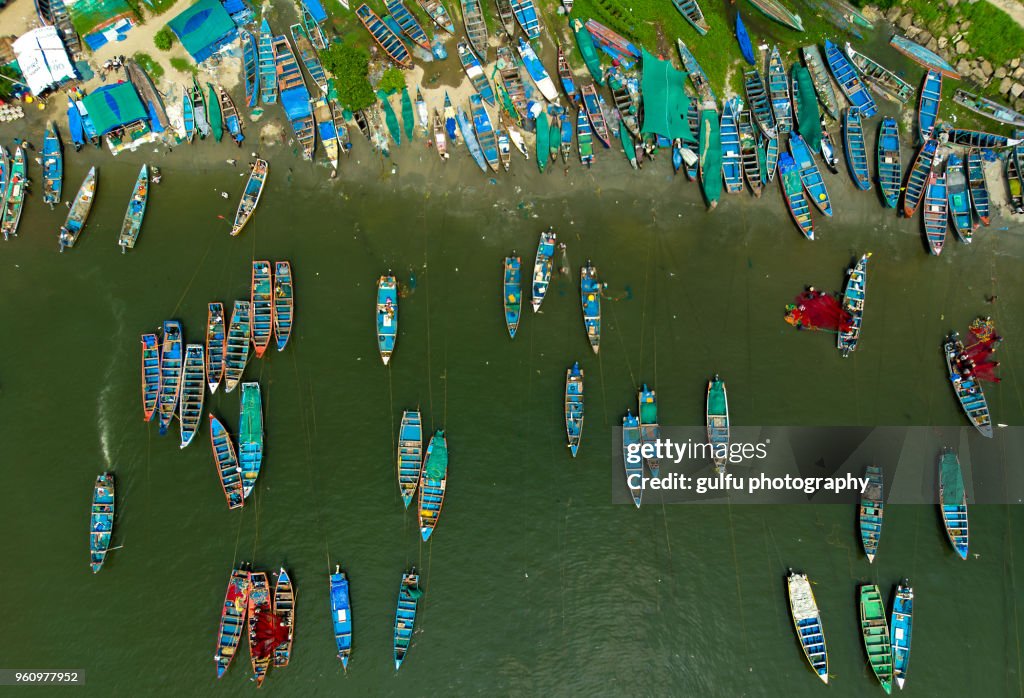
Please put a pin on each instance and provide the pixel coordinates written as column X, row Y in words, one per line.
column 271, row 633
column 437, row 462
column 818, row 311
column 976, row 359
column 810, row 120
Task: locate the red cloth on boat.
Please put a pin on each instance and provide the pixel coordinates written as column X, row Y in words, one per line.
column 815, row 310
column 271, row 633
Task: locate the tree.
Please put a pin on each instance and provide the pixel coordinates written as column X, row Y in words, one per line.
column 393, row 80
column 349, row 66
column 164, row 39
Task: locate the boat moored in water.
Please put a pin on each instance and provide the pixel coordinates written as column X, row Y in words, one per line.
column 433, row 482
column 871, row 511
column 409, row 594
column 101, row 520
column 807, row 622
column 387, row 316
column 410, row 454
column 542, row 267
column 875, row 631
column 341, row 615
column 574, row 407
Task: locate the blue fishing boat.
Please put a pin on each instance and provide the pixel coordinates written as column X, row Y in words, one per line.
column 978, row 186
column 692, row 13
column 188, row 115
column 193, row 390
column 855, row 149
column 568, row 126
column 953, row 502
column 592, row 105
column 760, row 105
column 313, row 29
column 967, row 388
column 232, row 121
column 101, row 520
column 484, row 131
column 76, row 126
column 849, row 82
column 732, row 161
column 526, row 15
column 251, row 68
column 928, row 106
column 793, row 193
column 716, row 418
column 341, row 615
column 538, row 73
column 890, row 163
column 267, row 65
column 387, row 316
column 433, row 482
column 542, row 266
column 476, row 26
column 574, row 407
column 590, row 294
column 385, row 36
column 771, row 157
column 475, row 72
column 284, row 612
column 307, row 54
column 435, row 9
column 294, row 96
column 585, row 140
column 226, row 461
column 918, row 53
column 809, row 173
column 959, row 198
column 262, row 304
column 749, row 152
column 807, row 623
column 232, row 618
column 513, row 292
column 746, row 47
column 409, row 594
column 615, row 45
column 871, row 511
column 989, row 108
column 632, row 461
column 778, row 92
column 917, row 179
column 250, row 436
column 410, row 454
column 469, row 137
column 251, row 195
column 567, row 78
column 980, row 139
column 901, row 625
column 170, row 374
column 935, row 212
column 705, row 94
column 14, row 188
column 450, row 124
column 410, row 27
column 650, row 430
column 150, row 375
column 132, row 224
column 236, row 348
column 284, row 303
column 53, row 166
column 853, row 303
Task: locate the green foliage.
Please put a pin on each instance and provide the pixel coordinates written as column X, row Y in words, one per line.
column 164, row 39
column 993, row 33
column 6, row 86
column 146, row 62
column 349, row 66
column 392, row 81
column 184, row 65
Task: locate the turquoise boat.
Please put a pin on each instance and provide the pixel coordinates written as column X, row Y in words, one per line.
column 408, row 117
column 705, row 94
column 386, row 37
column 14, row 201
column 475, row 72
column 199, row 109
column 978, row 186
column 78, row 214
column 849, row 82
column 387, row 316
column 216, row 116
column 262, row 300
column 250, row 196
column 855, row 149
column 170, row 374
column 917, row 179
column 585, row 140
column 236, row 349
column 692, row 13
column 890, row 163
column 853, row 303
column 631, row 458
column 585, row 43
column 513, row 293
column 928, row 105
column 543, row 136
column 935, row 212
column 410, row 27
column 284, row 303
column 307, row 54
column 409, row 594
column 193, row 390
column 574, row 407
column 775, row 10
column 410, row 454
column 732, row 159
column 267, row 64
column 341, row 615
column 779, row 93
column 872, row 509
column 433, row 481
column 876, row 634
column 101, row 520
column 53, row 166
column 250, row 436
column 284, row 612
column 716, row 417
column 469, row 138
column 807, row 622
column 313, row 29
column 918, row 53
column 967, row 388
column 251, row 68
column 554, row 132
column 188, row 115
column 132, row 224
column 526, row 15
column 710, row 157
column 900, row 626
column 819, row 76
column 225, row 459
column 592, row 105
column 232, row 619
column 771, row 157
column 793, row 193
column 590, row 295
column 484, row 130
column 810, row 176
column 435, row 9
column 150, row 375
column 542, row 266
column 980, row 139
column 476, row 26
column 760, row 105
column 989, row 108
column 958, row 198
column 650, row 430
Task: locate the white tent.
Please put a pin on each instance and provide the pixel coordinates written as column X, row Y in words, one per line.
column 43, row 59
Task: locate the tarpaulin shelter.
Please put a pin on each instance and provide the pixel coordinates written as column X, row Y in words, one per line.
column 204, row 29
column 113, row 106
column 665, row 101
column 315, row 9
column 43, row 59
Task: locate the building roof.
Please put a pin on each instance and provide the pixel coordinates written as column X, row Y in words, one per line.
column 203, row 28
column 42, row 59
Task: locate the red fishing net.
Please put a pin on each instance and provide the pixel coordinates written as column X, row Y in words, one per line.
column 819, row 311
column 976, row 359
column 271, row 633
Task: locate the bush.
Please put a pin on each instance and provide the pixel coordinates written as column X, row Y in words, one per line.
column 6, row 86
column 164, row 39
column 184, row 65
column 349, row 66
column 146, row 62
column 393, row 80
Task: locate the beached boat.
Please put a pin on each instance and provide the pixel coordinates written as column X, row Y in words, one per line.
column 810, row 176
column 855, row 149
column 760, row 105
column 422, row 115
column 170, row 374
column 692, row 13
column 506, row 16
column 476, row 27
column 977, row 185
column 307, row 54
column 793, row 194
column 732, row 161
column 232, row 619
column 284, row 612
column 822, row 84
column 928, row 106
column 405, row 19
column 511, row 83
column 469, row 138
column 828, row 151
column 225, row 460
column 516, row 136
column 284, row 303
column 410, row 454
column 440, row 140
column 567, row 77
column 807, row 623
column 387, row 316
column 626, row 98
column 409, row 594
column 435, row 9
column 79, row 211
column 875, row 630
column 327, row 130
column 193, row 390
column 101, row 520
column 778, row 92
column 966, row 386
column 341, row 615
column 980, row 139
column 850, row 84
column 585, row 43
column 536, row 71
column 574, row 407
column 513, row 293
column 53, row 166
column 716, row 419
column 542, row 267
column 260, row 606
column 484, row 130
column 918, row 53
column 14, row 199
column 214, row 113
column 650, row 430
column 150, row 375
column 890, row 163
column 854, row 296
column 295, row 97
column 232, row 121
column 705, row 94
column 136, row 210
column 251, row 195
column 250, row 63
column 385, row 37
column 900, row 626
column 527, row 17
column 585, row 139
column 885, row 82
column 771, row 158
column 917, row 178
column 775, row 10
column 631, row 458
column 958, row 198
column 262, row 305
column 199, row 106
column 250, row 436
column 743, row 39
column 433, row 481
column 621, row 49
column 953, row 502
column 749, row 153
column 188, row 115
column 592, row 106
column 567, row 127
column 935, row 212
column 710, row 156
column 267, row 64
column 313, row 29
column 236, row 349
column 871, row 511
column 987, row 107
column 590, row 294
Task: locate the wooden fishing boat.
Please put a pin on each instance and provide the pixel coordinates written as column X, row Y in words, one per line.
column 433, row 481
column 516, row 136
column 527, row 17
column 716, row 417
column 260, row 603
column 410, row 454
column 928, row 106
column 953, row 502
column 440, row 141
column 743, row 39
column 650, row 430
column 214, row 113
column 101, row 520
column 872, row 509
column 53, row 166
column 284, row 303
column 849, row 82
column 692, row 13
column 536, row 70
column 775, row 10
column 890, row 164
column 1015, row 181
column 855, row 149
column 170, row 373
column 229, row 472
column 710, row 163
column 193, row 390
column 853, row 303
column 295, row 97
column 778, row 92
column 476, row 27
column 810, row 176
column 585, row 43
column 585, row 139
column 935, row 212
column 512, row 82
column 966, row 386
column 513, row 293
column 79, row 212
column 385, row 37
column 828, row 151
column 251, row 68
column 250, row 436
column 900, row 625
column 232, row 619
column 469, row 138
column 567, row 78
column 807, row 623
column 760, row 106
column 132, row 224
column 980, row 139
column 622, row 51
column 267, row 64
column 929, row 59
column 626, row 98
column 387, row 316
column 199, row 109
column 705, row 94
column 232, row 121
column 484, row 130
column 958, row 198
column 313, row 29
column 236, row 349
column 436, row 11
column 793, row 194
column 590, row 294
column 819, row 76
column 188, row 115
column 631, row 458
column 542, row 267
column 251, row 195
column 875, row 630
column 732, row 161
column 341, row 615
column 771, row 157
column 409, row 594
column 150, row 375
column 262, row 301
column 988, row 108
column 284, row 610
column 410, row 27
column 574, row 407
column 14, row 197
column 504, row 146
column 885, row 82
column 327, row 129
column 977, row 185
column 592, row 106
column 917, row 178
column 362, row 123
column 506, row 16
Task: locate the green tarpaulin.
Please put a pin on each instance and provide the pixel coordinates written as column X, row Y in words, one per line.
column 716, row 399
column 710, row 156
column 952, row 480
column 807, row 108
column 203, row 28
column 437, row 460
column 114, row 105
column 390, row 118
column 665, row 101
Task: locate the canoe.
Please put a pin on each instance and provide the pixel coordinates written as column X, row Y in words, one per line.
column 807, row 623
column 967, row 388
column 410, row 454
column 585, row 139
column 743, row 38
column 262, row 305
column 778, row 92
column 232, row 121
column 232, row 619
column 710, row 164
column 341, row 615
column 760, row 105
column 284, row 303
column 771, row 157
column 650, row 430
column 621, row 50
column 385, row 37
column 215, row 344
column 977, row 185
column 225, row 460
column 476, row 27
column 132, row 224
column 198, row 101
column 188, row 115
column 387, row 316
column 775, row 10
column 705, row 94
column 409, row 594
column 284, row 610
column 566, row 77
column 150, row 375
column 632, row 461
column 574, row 407
column 236, row 349
column 170, row 374
column 988, row 108
column 250, row 436
column 79, row 212
column 828, row 152
column 16, row 188
column 193, row 390
column 513, row 293
column 875, row 631
column 890, row 164
column 953, row 502
column 822, row 84
column 568, row 126
column 435, row 9
column 749, row 154
column 929, row 59
column 885, row 82
column 507, row 17
column 267, row 64
column 295, row 98
column 308, row 56
column 251, row 195
column 958, row 198
column 900, row 626
column 101, row 520
column 935, row 212
column 928, row 106
column 850, row 84
column 692, row 13
column 511, row 83
column 410, row 27
column 980, row 139
column 484, row 130
column 716, row 418
column 440, row 141
column 793, row 194
column 585, row 43
column 53, row 166
column 917, row 177
column 250, row 62
column 313, row 29
column 216, row 116
column 592, row 106
column 527, row 17
column 854, row 296
column 469, row 138
column 542, row 266
column 590, row 295
column 421, row 113
column 810, row 176
column 732, row 162
column 854, row 148
column 433, row 481
column 626, row 98
column 536, row 71
column 871, row 511
column 260, row 605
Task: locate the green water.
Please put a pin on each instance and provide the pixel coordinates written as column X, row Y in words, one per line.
column 539, row 585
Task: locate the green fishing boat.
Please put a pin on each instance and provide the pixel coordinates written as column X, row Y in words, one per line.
column 408, row 116
column 216, row 119
column 542, row 141
column 585, row 42
column 875, row 629
column 710, row 156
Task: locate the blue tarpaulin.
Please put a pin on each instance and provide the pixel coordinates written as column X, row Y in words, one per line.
column 241, row 13
column 296, row 103
column 314, row 8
